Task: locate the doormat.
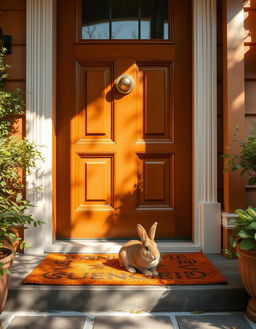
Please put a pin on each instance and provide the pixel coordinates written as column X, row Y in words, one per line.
column 104, row 269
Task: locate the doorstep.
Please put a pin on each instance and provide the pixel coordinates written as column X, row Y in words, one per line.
column 207, row 298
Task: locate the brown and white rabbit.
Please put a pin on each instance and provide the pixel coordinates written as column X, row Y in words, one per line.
column 141, row 255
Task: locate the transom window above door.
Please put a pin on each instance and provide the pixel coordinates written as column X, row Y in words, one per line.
column 125, row 19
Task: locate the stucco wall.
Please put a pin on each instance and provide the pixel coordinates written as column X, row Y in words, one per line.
column 250, row 77
column 13, row 22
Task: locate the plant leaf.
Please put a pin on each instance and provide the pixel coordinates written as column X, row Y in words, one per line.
column 19, row 197
column 247, row 244
column 242, row 213
column 244, row 235
column 252, row 226
column 251, row 211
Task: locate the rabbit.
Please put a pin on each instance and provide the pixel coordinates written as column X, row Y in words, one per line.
column 141, row 255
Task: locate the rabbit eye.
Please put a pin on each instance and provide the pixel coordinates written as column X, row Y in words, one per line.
column 147, row 248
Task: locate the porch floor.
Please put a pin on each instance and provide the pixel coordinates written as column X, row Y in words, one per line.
column 207, row 298
column 167, row 320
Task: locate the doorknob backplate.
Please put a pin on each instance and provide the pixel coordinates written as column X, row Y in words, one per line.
column 125, row 84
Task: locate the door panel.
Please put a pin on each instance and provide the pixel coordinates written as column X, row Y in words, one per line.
column 94, row 182
column 94, row 115
column 154, row 100
column 155, row 174
column 126, row 159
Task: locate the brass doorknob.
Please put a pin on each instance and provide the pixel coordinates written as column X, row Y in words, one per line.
column 125, row 84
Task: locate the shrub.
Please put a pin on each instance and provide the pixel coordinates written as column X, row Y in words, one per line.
column 18, row 156
column 245, row 160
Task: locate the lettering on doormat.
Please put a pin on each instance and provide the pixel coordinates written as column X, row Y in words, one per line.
column 104, row 269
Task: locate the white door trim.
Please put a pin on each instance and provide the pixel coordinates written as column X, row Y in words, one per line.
column 41, row 94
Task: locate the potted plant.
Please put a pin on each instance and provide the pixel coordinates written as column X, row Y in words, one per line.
column 243, row 237
column 12, row 213
column 6, row 259
column 18, row 156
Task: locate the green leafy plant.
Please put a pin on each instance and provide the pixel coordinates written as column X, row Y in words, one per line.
column 11, row 102
column 245, row 160
column 13, row 213
column 18, row 157
column 244, row 232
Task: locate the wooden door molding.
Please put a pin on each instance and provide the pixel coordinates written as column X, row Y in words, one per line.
column 41, row 109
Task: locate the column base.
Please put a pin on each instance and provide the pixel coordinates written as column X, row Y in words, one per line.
column 210, row 213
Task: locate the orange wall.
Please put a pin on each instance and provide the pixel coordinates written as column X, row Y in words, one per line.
column 232, row 97
column 13, row 22
column 220, row 100
column 250, row 77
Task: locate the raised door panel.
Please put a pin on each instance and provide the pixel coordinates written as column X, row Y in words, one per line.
column 95, row 106
column 155, row 101
column 94, row 182
column 156, row 181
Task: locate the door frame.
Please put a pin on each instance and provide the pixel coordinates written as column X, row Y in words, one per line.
column 40, row 127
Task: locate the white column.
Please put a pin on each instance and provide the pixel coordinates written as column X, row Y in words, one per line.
column 40, row 102
column 207, row 209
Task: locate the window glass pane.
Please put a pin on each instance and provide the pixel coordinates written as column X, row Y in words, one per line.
column 125, row 19
column 154, row 19
column 95, row 19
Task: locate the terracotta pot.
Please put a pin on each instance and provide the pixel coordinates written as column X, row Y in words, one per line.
column 4, row 280
column 247, row 267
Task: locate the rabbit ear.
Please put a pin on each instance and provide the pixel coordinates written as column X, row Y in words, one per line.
column 152, row 231
column 142, row 233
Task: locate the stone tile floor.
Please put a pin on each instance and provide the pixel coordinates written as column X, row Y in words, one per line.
column 132, row 320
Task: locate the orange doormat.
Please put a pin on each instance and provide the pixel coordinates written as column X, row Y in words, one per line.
column 104, row 269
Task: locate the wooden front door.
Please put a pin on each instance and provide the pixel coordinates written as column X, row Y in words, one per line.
column 123, row 159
